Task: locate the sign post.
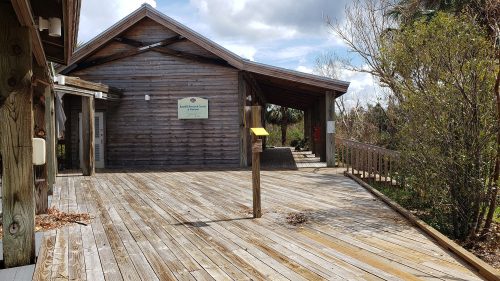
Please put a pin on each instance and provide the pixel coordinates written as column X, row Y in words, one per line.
column 257, row 132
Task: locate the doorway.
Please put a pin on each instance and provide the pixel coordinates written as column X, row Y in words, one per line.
column 99, row 141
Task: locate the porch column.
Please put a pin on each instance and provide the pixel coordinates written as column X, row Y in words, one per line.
column 308, row 126
column 88, row 136
column 330, row 128
column 51, row 138
column 263, row 119
column 323, row 134
column 16, row 137
column 314, row 122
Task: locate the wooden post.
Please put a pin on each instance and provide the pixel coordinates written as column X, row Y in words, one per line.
column 330, row 128
column 312, row 114
column 50, row 139
column 88, row 161
column 16, row 136
column 308, row 127
column 256, row 122
column 263, row 122
column 322, row 122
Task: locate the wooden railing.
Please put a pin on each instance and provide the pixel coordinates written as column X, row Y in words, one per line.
column 369, row 162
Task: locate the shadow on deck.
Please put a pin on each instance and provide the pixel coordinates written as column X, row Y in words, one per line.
column 286, row 158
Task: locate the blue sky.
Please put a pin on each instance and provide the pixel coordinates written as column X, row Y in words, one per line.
column 284, row 33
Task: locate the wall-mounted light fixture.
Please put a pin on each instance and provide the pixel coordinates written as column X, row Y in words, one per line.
column 52, row 24
column 147, row 97
column 60, row 79
column 98, row 95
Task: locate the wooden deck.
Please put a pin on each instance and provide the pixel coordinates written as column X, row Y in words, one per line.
column 198, row 226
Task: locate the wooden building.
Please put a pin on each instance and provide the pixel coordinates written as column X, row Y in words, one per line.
column 155, row 62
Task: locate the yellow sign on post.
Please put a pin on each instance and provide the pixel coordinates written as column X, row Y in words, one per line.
column 259, row 132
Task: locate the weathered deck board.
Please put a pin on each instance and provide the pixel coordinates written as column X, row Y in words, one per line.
column 175, row 225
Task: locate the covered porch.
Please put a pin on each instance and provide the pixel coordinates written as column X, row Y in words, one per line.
column 191, row 225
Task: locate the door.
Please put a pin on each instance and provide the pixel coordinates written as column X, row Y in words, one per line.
column 99, row 143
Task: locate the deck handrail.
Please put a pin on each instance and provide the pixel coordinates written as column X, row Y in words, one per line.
column 370, row 162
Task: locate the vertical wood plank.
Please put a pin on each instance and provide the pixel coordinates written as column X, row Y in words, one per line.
column 16, row 127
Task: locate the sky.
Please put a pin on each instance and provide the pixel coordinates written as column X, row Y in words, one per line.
column 284, row 33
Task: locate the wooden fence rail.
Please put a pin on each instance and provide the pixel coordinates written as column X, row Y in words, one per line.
column 369, row 162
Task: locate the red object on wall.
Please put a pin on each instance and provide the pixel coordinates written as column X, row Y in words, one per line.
column 316, row 133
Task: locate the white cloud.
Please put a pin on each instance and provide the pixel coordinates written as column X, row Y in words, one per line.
column 242, row 50
column 96, row 16
column 305, row 69
column 256, row 20
column 364, row 87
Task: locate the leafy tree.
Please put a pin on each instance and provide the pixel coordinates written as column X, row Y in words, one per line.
column 443, row 70
column 487, row 14
column 283, row 116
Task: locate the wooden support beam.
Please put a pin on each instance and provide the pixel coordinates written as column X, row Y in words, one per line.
column 160, row 47
column 128, row 53
column 50, row 141
column 16, row 148
column 263, row 118
column 88, row 161
column 189, row 56
column 308, row 126
column 314, row 126
column 92, row 86
column 322, row 122
column 128, row 41
column 135, row 43
column 113, row 57
column 256, row 122
column 330, row 128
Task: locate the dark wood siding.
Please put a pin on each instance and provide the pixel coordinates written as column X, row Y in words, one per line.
column 147, row 133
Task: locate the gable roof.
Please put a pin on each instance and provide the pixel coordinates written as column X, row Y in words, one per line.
column 146, row 11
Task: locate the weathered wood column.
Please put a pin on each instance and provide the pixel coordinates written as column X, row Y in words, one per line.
column 314, row 121
column 322, row 121
column 16, row 136
column 256, row 123
column 51, row 138
column 330, row 128
column 308, row 127
column 88, row 136
column 263, row 124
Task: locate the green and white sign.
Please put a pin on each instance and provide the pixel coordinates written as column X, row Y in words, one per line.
column 192, row 108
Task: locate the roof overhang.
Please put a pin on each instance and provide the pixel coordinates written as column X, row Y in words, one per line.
column 45, row 47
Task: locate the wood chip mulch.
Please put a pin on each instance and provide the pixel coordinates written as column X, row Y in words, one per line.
column 55, row 219
column 487, row 248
